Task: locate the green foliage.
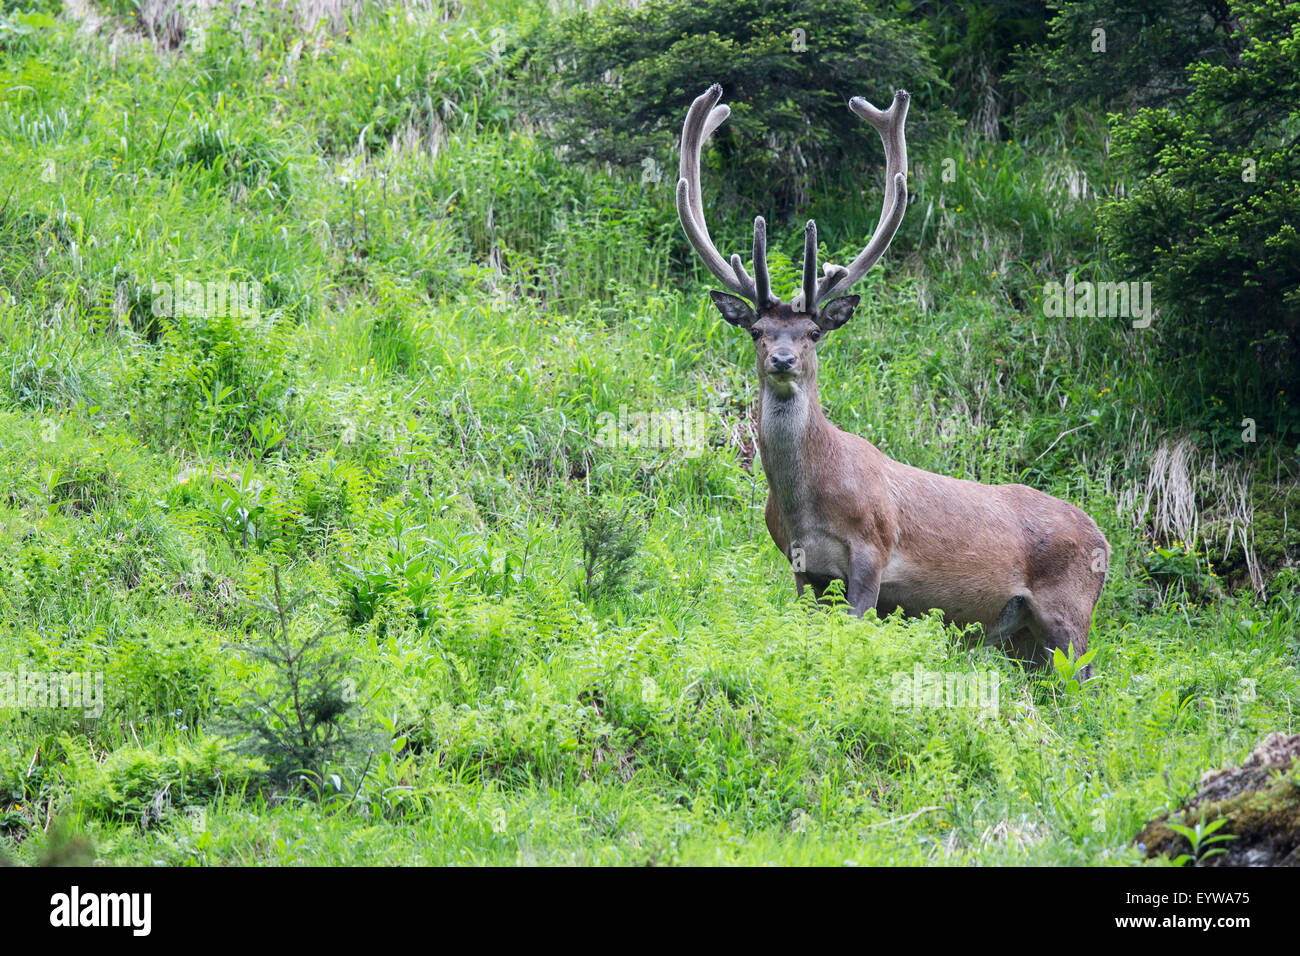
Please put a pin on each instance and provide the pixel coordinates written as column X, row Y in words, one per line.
column 409, row 563
column 300, row 715
column 610, row 537
column 1200, row 837
column 21, row 22
column 245, row 509
column 172, row 679
column 148, row 786
column 411, row 429
column 251, row 166
column 1178, row 566
column 1066, row 669
column 1211, row 219
column 974, row 42
column 414, row 82
column 1132, row 53
column 328, row 492
column 219, row 379
column 44, row 376
column 564, row 238
column 616, row 82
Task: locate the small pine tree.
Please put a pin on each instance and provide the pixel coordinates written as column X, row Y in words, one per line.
column 610, row 538
column 304, row 715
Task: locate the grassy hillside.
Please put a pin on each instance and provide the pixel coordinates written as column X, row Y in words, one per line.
column 500, row 639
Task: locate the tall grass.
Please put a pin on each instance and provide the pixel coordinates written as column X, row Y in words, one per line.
column 410, row 429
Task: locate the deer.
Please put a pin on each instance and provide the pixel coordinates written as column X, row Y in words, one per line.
column 1026, row 567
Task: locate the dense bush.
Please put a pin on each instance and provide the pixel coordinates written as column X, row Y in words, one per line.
column 612, row 85
column 1126, row 54
column 974, row 43
column 1211, row 217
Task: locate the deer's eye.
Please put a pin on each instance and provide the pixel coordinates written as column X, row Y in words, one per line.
column 755, row 334
column 815, row 334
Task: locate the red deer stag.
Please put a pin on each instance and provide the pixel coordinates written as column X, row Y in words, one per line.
column 1025, row 565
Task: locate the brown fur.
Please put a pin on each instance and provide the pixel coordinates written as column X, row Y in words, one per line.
column 1007, row 557
column 1025, row 566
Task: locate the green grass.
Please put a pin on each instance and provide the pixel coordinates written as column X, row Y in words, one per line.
column 408, row 431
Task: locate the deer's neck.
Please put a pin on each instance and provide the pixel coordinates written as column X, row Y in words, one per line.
column 793, row 436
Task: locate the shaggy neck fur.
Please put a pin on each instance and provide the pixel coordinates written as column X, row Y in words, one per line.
column 787, row 427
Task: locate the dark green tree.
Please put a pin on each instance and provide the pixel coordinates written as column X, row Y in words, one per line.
column 975, row 43
column 1123, row 54
column 612, row 86
column 1211, row 217
column 303, row 714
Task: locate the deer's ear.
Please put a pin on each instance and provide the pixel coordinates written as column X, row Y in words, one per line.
column 734, row 309
column 837, row 311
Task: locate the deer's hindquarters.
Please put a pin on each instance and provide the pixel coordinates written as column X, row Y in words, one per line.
column 1027, row 567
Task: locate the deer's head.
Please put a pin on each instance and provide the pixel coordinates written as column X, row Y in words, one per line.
column 786, row 334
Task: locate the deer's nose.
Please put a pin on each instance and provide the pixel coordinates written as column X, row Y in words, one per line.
column 781, row 362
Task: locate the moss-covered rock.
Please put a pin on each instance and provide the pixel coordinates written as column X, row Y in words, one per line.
column 1261, row 802
column 1277, row 525
column 1274, row 535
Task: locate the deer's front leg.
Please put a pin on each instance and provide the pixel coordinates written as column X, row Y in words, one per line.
column 803, row 582
column 863, row 585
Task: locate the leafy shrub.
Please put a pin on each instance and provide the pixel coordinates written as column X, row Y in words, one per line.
column 974, row 42
column 298, row 715
column 1139, row 58
column 1212, row 218
column 245, row 509
column 148, row 784
column 614, row 84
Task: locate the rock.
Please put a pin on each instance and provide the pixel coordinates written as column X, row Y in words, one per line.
column 1261, row 801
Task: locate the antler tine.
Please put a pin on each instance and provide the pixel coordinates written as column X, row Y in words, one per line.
column 762, row 282
column 889, row 124
column 810, row 268
column 833, row 274
column 689, row 165
column 742, row 276
column 717, row 116
column 705, row 116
